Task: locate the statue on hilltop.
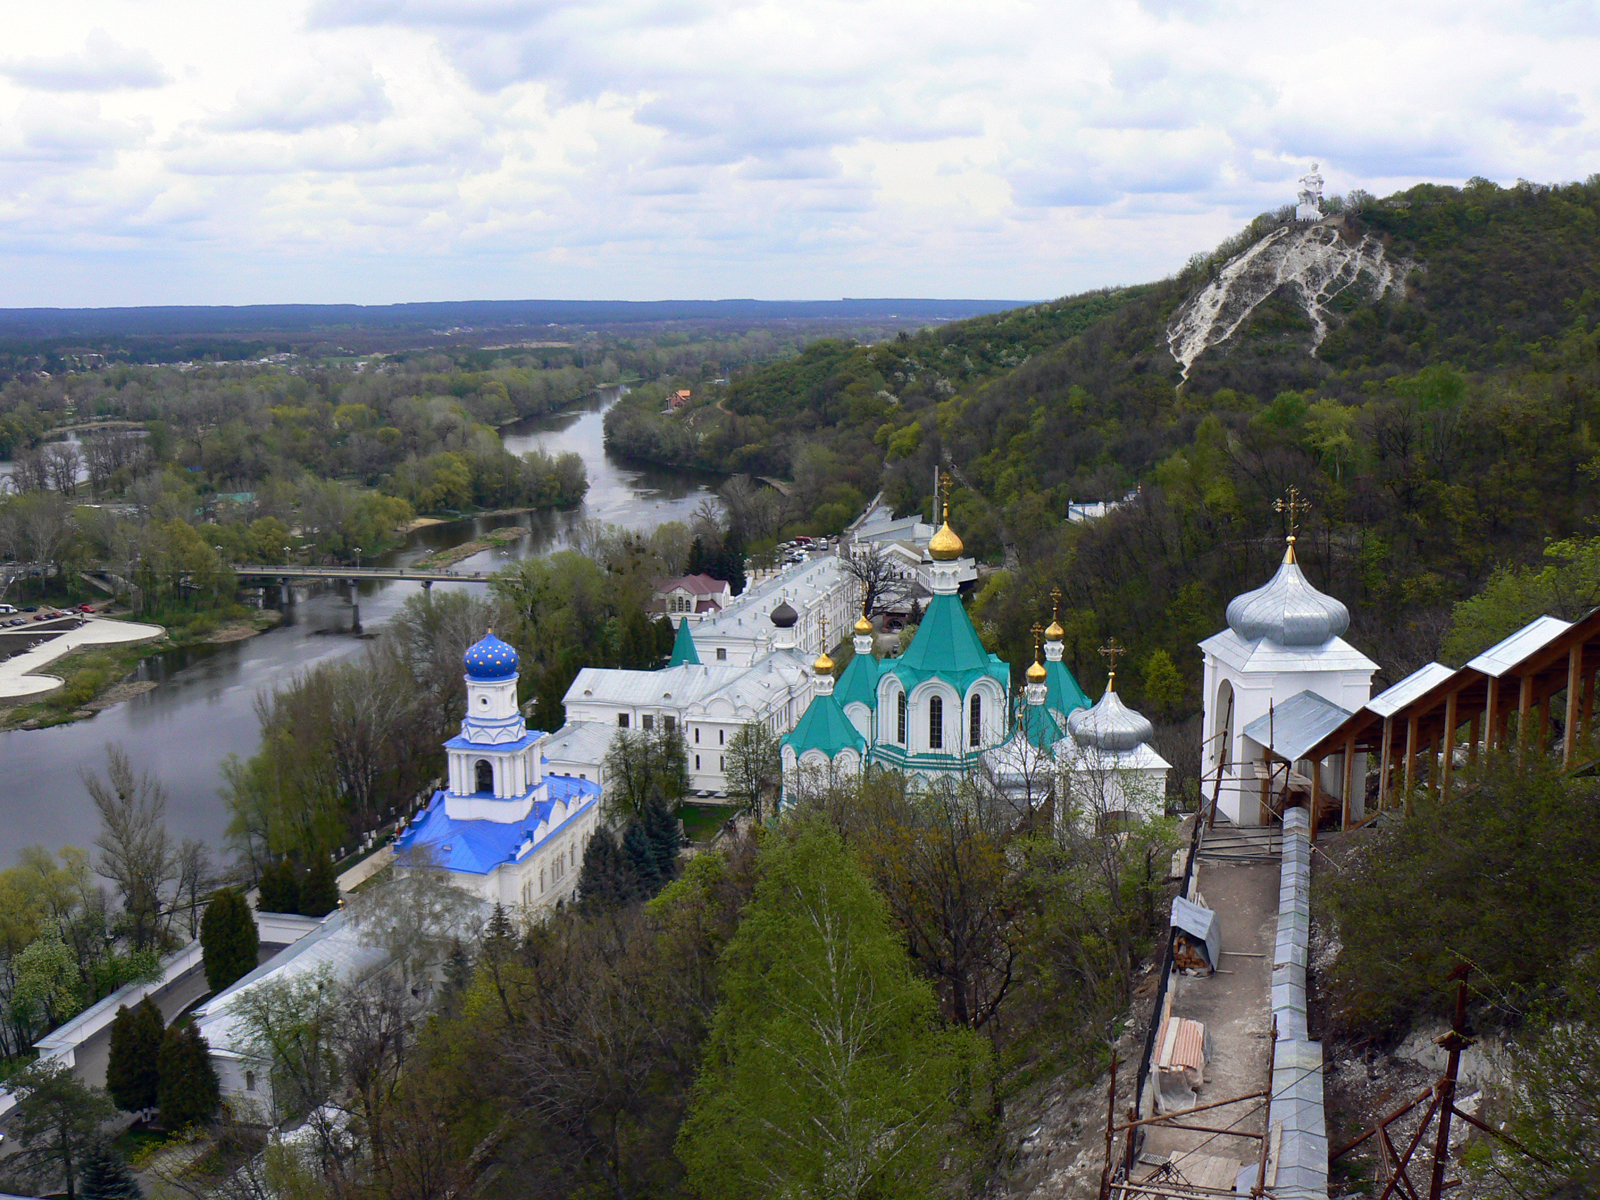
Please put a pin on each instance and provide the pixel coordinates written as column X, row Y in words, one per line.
column 1309, row 198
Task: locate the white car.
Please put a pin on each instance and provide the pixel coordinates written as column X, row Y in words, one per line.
column 7, row 609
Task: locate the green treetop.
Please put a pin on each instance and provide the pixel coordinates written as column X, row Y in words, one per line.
column 229, row 940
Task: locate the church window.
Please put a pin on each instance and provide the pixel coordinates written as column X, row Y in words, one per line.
column 936, row 723
column 722, row 654
column 671, row 722
column 697, row 736
column 249, row 1081
column 975, row 732
column 485, row 774
column 722, row 737
column 648, row 721
column 622, row 720
column 696, row 762
column 484, row 701
column 720, row 763
column 900, row 723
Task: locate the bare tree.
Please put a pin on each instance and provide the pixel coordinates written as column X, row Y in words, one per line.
column 197, row 878
column 876, row 573
column 30, row 472
column 135, row 852
column 61, row 461
column 416, row 916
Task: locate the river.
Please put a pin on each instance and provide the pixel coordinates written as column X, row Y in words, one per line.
column 204, row 708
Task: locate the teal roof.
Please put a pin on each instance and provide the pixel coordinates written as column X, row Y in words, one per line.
column 858, row 684
column 824, row 727
column 946, row 645
column 1065, row 696
column 1038, row 726
column 683, row 650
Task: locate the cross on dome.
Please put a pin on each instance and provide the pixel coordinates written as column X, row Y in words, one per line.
column 1112, row 651
column 1294, row 506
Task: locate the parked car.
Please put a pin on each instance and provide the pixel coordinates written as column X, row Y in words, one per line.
column 7, row 609
column 17, row 621
column 30, row 608
column 86, row 608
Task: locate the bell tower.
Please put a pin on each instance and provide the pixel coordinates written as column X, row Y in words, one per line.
column 494, row 769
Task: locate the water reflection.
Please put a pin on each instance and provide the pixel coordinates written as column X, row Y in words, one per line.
column 204, row 708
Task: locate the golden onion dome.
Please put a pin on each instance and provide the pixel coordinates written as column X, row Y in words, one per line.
column 945, row 545
column 823, row 665
column 863, row 626
column 1036, row 672
column 1053, row 632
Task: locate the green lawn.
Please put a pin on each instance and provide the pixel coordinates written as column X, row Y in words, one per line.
column 701, row 821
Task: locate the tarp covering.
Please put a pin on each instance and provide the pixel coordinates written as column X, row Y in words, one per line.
column 1199, row 923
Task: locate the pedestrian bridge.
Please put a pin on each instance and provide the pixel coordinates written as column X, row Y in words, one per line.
column 292, row 571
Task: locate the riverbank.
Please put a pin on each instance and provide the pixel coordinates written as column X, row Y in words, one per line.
column 91, row 667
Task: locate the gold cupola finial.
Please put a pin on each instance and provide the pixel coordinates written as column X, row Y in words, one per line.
column 945, row 545
column 863, row 625
column 1036, row 672
column 1112, row 651
column 1054, row 632
column 1294, row 506
column 824, row 664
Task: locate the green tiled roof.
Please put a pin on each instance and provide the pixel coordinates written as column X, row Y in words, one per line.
column 824, row 727
column 1038, row 726
column 946, row 645
column 1065, row 696
column 683, row 650
column 858, row 684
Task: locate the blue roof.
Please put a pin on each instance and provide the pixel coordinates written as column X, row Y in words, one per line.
column 476, row 847
column 490, row 660
column 461, row 742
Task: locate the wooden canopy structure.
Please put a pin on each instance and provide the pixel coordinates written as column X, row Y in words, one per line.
column 1544, row 673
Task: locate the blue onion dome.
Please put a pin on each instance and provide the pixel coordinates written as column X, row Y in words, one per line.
column 1288, row 610
column 1110, row 725
column 784, row 616
column 491, row 659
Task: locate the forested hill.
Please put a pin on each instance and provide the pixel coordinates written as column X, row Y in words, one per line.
column 1442, row 426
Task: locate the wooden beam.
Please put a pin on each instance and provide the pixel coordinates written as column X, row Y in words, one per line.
column 1449, row 737
column 1411, row 759
column 1588, row 702
column 1524, row 710
column 1349, row 771
column 1574, row 697
column 1491, row 715
column 1473, row 733
column 1385, row 763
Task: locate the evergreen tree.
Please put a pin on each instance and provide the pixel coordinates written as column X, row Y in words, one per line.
column 131, row 1074
column 319, row 893
column 607, row 878
column 189, row 1092
column 106, row 1174
column 639, row 857
column 229, row 940
column 280, row 888
column 55, row 1121
column 697, row 557
column 827, row 1072
column 661, row 828
column 666, row 636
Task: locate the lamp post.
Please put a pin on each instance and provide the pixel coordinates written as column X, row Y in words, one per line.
column 286, row 558
column 357, row 549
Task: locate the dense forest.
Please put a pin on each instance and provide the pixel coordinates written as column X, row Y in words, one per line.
column 1441, row 432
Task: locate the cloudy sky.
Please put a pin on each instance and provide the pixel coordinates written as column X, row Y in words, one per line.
column 179, row 151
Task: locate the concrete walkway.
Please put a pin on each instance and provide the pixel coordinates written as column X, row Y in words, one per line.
column 18, row 677
column 1235, row 1005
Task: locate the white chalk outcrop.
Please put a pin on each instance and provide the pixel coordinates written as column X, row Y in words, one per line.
column 1313, row 262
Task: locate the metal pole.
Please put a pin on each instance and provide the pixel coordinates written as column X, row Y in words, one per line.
column 1111, row 1120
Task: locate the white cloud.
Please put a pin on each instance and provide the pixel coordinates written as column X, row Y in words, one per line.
column 378, row 150
column 103, row 65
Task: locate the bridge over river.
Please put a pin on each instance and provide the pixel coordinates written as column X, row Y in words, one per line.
column 423, row 576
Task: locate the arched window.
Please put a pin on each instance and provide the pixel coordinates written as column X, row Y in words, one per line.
column 900, row 724
column 485, row 775
column 936, row 723
column 975, row 722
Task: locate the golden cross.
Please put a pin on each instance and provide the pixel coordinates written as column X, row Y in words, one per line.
column 1038, row 639
column 944, row 495
column 1055, row 605
column 1295, row 506
column 1112, row 651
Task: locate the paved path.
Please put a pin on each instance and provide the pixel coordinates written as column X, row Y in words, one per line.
column 1236, row 1009
column 19, row 677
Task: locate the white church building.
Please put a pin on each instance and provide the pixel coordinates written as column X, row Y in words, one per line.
column 504, row 828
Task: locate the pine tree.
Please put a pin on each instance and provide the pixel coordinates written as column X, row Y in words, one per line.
column 697, row 557
column 131, row 1073
column 608, row 878
column 280, row 888
column 639, row 857
column 189, row 1092
column 229, row 940
column 319, row 893
column 105, row 1174
column 661, row 828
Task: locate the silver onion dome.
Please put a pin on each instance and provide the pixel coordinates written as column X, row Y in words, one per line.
column 1110, row 725
column 1288, row 610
